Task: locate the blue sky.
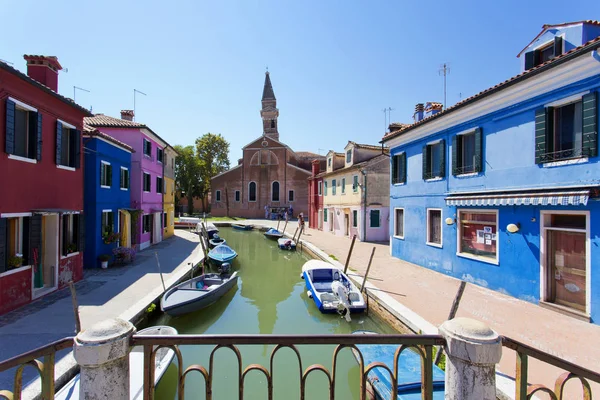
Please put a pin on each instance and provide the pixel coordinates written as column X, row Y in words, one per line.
column 334, row 64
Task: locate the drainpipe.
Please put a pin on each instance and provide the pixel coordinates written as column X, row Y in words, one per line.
column 364, row 173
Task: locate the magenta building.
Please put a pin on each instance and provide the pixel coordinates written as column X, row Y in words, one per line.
column 147, row 178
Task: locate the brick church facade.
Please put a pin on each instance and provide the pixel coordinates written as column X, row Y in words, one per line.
column 269, row 174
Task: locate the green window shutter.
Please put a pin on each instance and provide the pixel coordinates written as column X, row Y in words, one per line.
column 39, row 137
column 395, row 169
column 10, row 127
column 77, row 148
column 58, row 142
column 3, row 243
column 109, row 174
column 540, row 135
column 426, row 172
column 558, row 45
column 590, row 124
column 455, row 166
column 403, row 168
column 529, row 60
column 442, row 158
column 478, row 150
column 80, row 226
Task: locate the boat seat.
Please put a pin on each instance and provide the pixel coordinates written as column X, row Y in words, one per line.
column 320, row 275
column 323, row 286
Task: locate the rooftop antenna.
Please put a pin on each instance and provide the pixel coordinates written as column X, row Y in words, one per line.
column 7, row 62
column 134, row 92
column 319, row 150
column 387, row 112
column 444, row 70
column 78, row 88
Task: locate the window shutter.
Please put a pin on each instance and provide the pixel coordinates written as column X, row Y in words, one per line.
column 122, row 179
column 127, row 179
column 80, row 232
column 77, row 148
column 590, row 124
column 540, row 135
column 58, row 142
column 443, row 158
column 529, row 60
column 395, row 160
column 10, row 128
column 403, row 168
column 558, row 46
column 65, row 226
column 32, row 135
column 39, row 137
column 109, row 174
column 3, row 243
column 478, row 150
column 455, row 155
column 425, row 163
column 35, row 239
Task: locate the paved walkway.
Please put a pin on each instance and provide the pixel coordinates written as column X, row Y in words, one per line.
column 114, row 292
column 430, row 295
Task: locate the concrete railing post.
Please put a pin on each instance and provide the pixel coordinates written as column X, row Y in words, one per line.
column 472, row 350
column 102, row 353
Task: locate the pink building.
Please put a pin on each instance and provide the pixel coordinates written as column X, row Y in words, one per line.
column 147, row 173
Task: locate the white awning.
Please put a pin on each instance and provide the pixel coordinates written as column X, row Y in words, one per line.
column 572, row 198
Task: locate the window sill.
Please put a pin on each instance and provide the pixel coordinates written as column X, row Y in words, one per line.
column 125, row 189
column 69, row 255
column 466, row 175
column 66, row 168
column 398, row 237
column 565, row 310
column 146, row 191
column 477, row 258
column 16, row 270
column 565, row 162
column 399, row 184
column 437, row 178
column 105, row 187
column 438, row 245
column 24, row 159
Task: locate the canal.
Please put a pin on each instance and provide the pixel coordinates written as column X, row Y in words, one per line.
column 270, row 298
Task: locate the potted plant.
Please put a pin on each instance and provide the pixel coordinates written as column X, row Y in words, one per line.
column 124, row 255
column 15, row 261
column 71, row 248
column 110, row 237
column 104, row 259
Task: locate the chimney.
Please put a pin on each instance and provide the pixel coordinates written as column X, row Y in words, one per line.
column 127, row 115
column 418, row 115
column 240, row 161
column 316, row 167
column 43, row 69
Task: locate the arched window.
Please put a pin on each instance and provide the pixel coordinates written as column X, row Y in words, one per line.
column 252, row 191
column 275, row 191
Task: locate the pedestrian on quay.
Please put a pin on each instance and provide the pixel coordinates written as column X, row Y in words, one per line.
column 301, row 222
column 266, row 211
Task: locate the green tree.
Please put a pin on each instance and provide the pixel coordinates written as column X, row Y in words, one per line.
column 187, row 174
column 213, row 155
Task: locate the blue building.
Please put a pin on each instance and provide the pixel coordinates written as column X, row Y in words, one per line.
column 106, row 194
column 502, row 189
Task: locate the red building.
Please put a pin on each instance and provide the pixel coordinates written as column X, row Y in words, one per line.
column 315, row 195
column 41, row 184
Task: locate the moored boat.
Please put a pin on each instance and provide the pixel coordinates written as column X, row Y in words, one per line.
column 241, row 227
column 197, row 293
column 211, row 229
column 409, row 371
column 222, row 254
column 136, row 367
column 331, row 290
column 273, row 234
column 216, row 241
column 286, row 244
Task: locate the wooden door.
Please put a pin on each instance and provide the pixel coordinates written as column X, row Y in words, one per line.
column 567, row 272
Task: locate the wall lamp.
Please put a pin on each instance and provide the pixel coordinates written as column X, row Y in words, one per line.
column 513, row 228
column 450, row 221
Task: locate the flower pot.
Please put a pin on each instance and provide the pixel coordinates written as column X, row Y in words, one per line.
column 104, row 264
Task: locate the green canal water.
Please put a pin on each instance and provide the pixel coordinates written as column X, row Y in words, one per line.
column 270, row 298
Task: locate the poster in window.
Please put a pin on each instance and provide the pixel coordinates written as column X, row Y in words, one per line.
column 487, row 229
column 480, row 238
column 493, row 236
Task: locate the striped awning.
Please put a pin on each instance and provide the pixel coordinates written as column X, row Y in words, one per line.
column 574, row 198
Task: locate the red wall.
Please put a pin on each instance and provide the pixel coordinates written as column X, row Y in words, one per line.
column 25, row 186
column 15, row 290
column 70, row 269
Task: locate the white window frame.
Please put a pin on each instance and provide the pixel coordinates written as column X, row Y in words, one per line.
column 217, row 196
column 395, row 233
column 329, row 162
column 379, row 222
column 355, row 177
column 106, row 211
column 144, row 182
column 162, row 155
column 440, row 244
column 349, row 151
column 320, row 187
column 343, row 185
column 144, row 149
column 588, row 253
column 122, row 188
column 294, row 196
column 61, row 244
column 488, row 260
column 279, row 192
column 102, row 162
column 333, row 187
column 162, row 184
column 255, row 192
column 27, row 108
column 72, row 127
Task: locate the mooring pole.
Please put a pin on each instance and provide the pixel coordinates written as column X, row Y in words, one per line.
column 284, row 226
column 453, row 310
column 294, row 237
column 75, row 307
column 349, row 254
column 362, row 287
column 278, row 221
column 159, row 271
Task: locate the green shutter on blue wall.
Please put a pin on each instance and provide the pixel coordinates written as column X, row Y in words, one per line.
column 10, row 127
column 425, row 173
column 478, row 150
column 395, row 169
column 403, row 168
column 455, row 169
column 541, row 128
column 442, row 158
column 58, row 142
column 590, row 124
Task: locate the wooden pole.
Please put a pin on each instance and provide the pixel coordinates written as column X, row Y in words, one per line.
column 349, row 253
column 453, row 310
column 278, row 221
column 284, row 226
column 294, row 237
column 75, row 307
column 362, row 287
column 159, row 271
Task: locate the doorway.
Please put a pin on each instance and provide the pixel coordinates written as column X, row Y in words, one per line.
column 320, row 219
column 332, row 219
column 346, row 224
column 50, row 254
column 566, row 261
column 157, row 228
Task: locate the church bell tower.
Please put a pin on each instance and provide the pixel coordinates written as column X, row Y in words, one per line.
column 269, row 111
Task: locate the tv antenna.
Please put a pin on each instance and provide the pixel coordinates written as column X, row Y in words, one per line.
column 78, row 88
column 134, row 92
column 387, row 114
column 7, row 62
column 444, row 70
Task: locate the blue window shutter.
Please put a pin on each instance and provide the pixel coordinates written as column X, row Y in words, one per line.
column 455, row 166
column 395, row 169
column 442, row 158
column 529, row 60
column 10, row 127
column 540, row 135
column 478, row 150
column 39, row 137
column 590, row 124
column 58, row 142
column 426, row 174
column 77, row 148
column 403, row 168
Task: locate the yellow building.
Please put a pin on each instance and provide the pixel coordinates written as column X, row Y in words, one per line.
column 169, row 192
